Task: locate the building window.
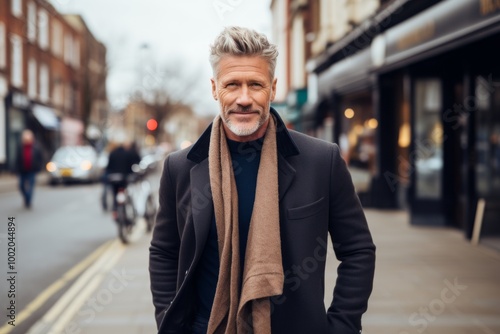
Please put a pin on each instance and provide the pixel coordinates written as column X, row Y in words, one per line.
column 487, row 164
column 3, row 46
column 76, row 54
column 31, row 22
column 428, row 138
column 357, row 138
column 67, row 97
column 68, row 47
column 57, row 92
column 43, row 29
column 16, row 73
column 16, row 7
column 32, row 78
column 44, row 83
column 57, row 38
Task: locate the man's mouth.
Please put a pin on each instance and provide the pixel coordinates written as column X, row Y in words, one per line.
column 243, row 112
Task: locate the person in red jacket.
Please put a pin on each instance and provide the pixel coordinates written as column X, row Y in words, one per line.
column 28, row 164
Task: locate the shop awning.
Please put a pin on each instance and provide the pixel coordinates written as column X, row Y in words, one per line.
column 442, row 27
column 348, row 75
column 46, row 116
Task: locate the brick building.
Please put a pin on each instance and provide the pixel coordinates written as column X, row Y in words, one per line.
column 42, row 77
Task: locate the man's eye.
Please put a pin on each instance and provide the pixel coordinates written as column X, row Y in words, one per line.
column 231, row 84
column 256, row 84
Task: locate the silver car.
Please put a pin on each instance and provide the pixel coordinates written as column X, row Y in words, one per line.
column 74, row 163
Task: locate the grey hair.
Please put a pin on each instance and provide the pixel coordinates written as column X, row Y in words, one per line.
column 239, row 41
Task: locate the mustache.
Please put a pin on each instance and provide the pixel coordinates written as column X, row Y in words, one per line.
column 243, row 110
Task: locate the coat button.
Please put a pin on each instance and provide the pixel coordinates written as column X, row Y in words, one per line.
column 187, row 271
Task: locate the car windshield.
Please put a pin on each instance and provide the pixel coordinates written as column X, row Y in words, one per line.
column 74, row 153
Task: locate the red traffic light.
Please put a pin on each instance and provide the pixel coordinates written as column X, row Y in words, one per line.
column 152, row 124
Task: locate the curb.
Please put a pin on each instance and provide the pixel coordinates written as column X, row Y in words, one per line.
column 61, row 313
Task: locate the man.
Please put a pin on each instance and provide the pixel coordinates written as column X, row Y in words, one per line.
column 28, row 164
column 240, row 239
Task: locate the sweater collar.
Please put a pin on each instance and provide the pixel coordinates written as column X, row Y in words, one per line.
column 285, row 143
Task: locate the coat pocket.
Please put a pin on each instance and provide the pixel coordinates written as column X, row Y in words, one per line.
column 306, row 210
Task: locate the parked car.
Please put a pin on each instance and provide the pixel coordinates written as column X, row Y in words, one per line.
column 74, row 163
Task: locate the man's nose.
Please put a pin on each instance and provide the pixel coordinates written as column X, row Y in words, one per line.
column 244, row 98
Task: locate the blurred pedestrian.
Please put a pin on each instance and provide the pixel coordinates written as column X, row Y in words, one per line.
column 120, row 162
column 133, row 152
column 29, row 162
column 106, row 187
column 240, row 240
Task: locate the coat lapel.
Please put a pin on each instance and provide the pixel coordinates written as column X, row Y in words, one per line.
column 201, row 204
column 286, row 174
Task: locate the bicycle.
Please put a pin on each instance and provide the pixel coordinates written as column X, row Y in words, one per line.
column 135, row 203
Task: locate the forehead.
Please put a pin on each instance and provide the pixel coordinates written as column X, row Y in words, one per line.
column 243, row 65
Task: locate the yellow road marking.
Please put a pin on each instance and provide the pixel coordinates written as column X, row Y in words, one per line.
column 55, row 287
column 67, row 311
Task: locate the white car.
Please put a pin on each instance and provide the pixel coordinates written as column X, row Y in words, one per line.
column 74, row 163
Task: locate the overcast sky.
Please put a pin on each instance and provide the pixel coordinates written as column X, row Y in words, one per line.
column 177, row 32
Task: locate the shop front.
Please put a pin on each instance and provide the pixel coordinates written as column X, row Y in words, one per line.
column 438, row 100
column 21, row 113
column 345, row 115
column 48, row 127
column 291, row 112
column 3, row 123
column 17, row 107
column 417, row 112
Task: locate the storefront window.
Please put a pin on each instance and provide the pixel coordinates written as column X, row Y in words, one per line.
column 487, row 98
column 428, row 143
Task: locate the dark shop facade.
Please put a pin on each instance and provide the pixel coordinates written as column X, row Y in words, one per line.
column 414, row 98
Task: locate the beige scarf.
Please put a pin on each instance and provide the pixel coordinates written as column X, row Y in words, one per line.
column 250, row 311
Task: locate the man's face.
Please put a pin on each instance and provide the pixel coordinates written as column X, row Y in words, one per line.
column 244, row 90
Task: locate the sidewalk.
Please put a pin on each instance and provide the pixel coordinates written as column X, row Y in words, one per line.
column 9, row 181
column 428, row 280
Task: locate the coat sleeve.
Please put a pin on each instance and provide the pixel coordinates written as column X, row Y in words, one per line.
column 164, row 249
column 354, row 249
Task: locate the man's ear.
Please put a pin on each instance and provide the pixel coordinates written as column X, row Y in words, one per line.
column 214, row 89
column 273, row 89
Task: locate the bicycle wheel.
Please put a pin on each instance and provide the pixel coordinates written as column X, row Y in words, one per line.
column 123, row 226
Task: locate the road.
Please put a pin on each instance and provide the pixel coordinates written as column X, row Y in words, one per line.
column 65, row 226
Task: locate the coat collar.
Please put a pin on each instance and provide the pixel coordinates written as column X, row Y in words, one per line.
column 286, row 145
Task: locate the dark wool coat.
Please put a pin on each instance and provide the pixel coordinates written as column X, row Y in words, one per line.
column 317, row 200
